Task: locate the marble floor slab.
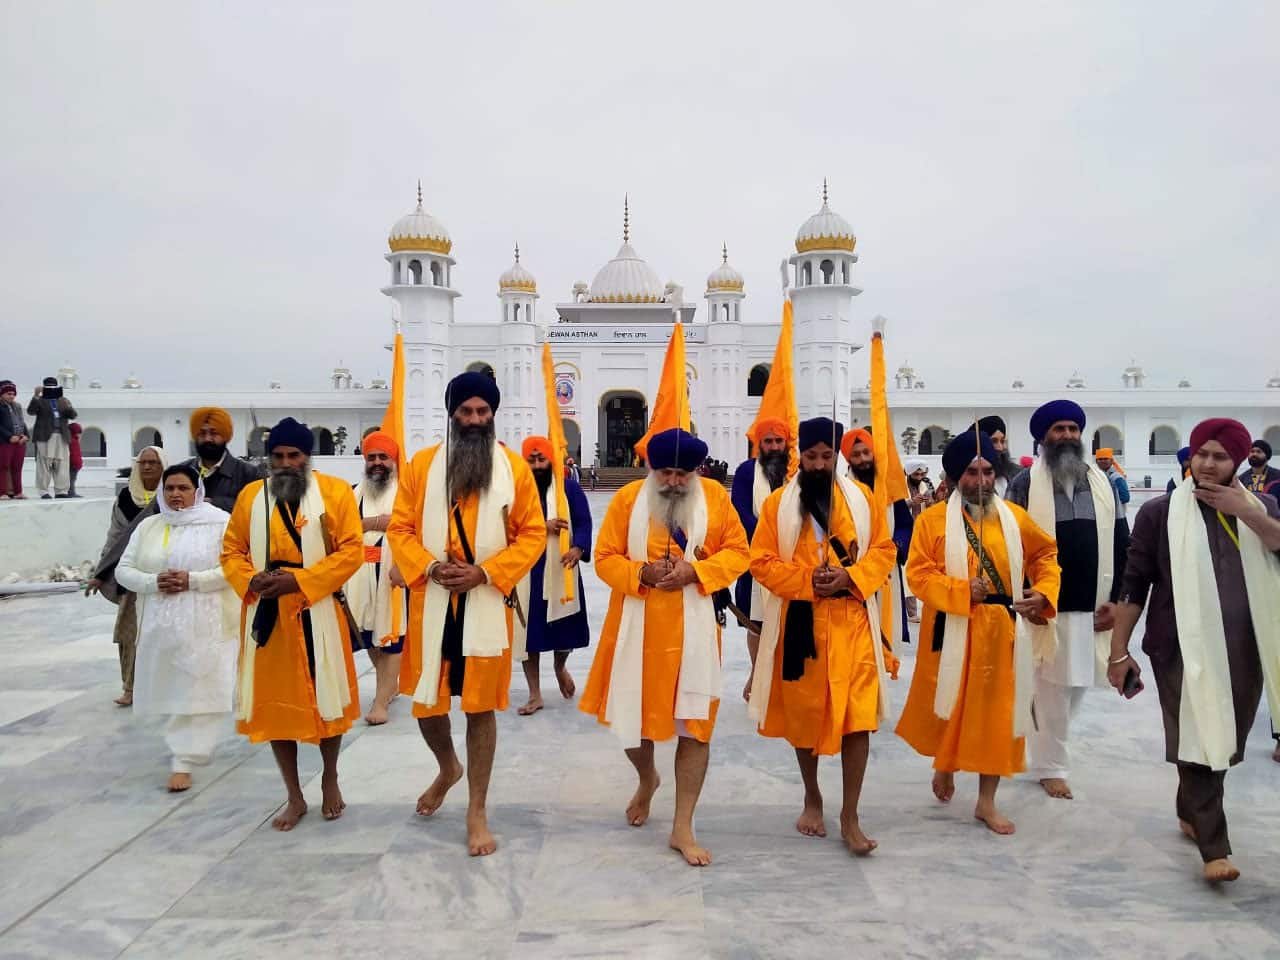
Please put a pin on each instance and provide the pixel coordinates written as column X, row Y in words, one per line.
column 98, row 860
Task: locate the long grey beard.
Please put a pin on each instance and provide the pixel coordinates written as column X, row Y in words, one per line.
column 1066, row 464
column 470, row 459
column 774, row 468
column 289, row 485
column 981, row 506
column 669, row 505
column 377, row 482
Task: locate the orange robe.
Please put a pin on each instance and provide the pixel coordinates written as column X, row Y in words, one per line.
column 978, row 737
column 840, row 691
column 487, row 680
column 284, row 695
column 726, row 560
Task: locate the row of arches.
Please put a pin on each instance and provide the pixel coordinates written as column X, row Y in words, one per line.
column 827, row 271
column 1163, row 441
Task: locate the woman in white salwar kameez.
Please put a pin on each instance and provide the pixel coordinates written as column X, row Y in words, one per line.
column 187, row 621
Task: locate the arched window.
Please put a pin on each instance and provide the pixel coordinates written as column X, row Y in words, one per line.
column 1272, row 436
column 515, row 313
column 757, row 379
column 480, row 366
column 324, row 441
column 415, row 270
column 806, row 274
column 726, row 312
column 146, row 437
column 1108, row 437
column 435, row 273
column 932, row 441
column 93, row 443
column 828, row 270
column 1163, row 443
column 395, row 273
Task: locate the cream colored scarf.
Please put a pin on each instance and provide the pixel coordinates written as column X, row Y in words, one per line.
column 557, row 609
column 1206, row 714
column 760, row 491
column 955, row 631
column 484, row 627
column 369, row 592
column 1040, row 505
column 699, row 681
column 333, row 695
column 790, row 523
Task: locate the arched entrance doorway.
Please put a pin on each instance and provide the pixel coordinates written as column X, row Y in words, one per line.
column 623, row 418
column 573, row 440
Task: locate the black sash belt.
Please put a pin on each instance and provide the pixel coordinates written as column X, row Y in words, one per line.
column 1000, row 598
column 451, row 644
column 722, row 598
column 268, row 612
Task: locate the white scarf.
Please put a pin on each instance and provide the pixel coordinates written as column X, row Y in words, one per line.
column 369, row 593
column 484, row 626
column 333, row 695
column 1040, row 505
column 955, row 632
column 699, row 681
column 790, row 522
column 760, row 491
column 552, row 578
column 1206, row 714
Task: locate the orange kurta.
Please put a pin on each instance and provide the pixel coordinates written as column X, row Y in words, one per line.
column 726, row 560
column 487, row 680
column 978, row 737
column 840, row 690
column 284, row 695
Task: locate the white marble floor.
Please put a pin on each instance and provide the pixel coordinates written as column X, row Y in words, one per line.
column 97, row 860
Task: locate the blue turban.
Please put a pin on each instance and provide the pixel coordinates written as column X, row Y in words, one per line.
column 1184, row 455
column 290, row 433
column 1053, row 412
column 962, row 450
column 820, row 430
column 471, row 384
column 675, row 449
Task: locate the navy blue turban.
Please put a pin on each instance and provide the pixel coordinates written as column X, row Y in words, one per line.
column 1053, row 412
column 290, row 433
column 962, row 450
column 992, row 425
column 675, row 449
column 820, row 430
column 471, row 384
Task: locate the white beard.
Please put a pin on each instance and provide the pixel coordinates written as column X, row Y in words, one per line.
column 675, row 512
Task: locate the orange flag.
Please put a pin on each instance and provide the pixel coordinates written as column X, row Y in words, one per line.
column 891, row 483
column 779, row 400
column 393, row 426
column 559, row 450
column 671, row 406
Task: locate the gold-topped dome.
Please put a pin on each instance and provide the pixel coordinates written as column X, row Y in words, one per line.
column 724, row 279
column 419, row 231
column 626, row 278
column 516, row 279
column 825, row 230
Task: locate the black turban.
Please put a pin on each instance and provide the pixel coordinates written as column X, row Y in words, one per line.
column 290, row 433
column 992, row 425
column 675, row 449
column 962, row 450
column 820, row 430
column 471, row 384
column 1263, row 446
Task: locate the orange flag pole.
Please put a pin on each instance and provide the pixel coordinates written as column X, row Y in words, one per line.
column 671, row 406
column 891, row 480
column 393, row 426
column 559, row 451
column 779, row 400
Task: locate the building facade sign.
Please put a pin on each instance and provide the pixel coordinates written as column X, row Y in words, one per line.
column 607, row 333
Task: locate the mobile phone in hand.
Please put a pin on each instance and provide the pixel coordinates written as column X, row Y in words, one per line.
column 1132, row 684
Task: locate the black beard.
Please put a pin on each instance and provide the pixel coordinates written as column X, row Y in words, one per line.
column 815, row 488
column 1257, row 464
column 470, row 458
column 211, row 452
column 1065, row 461
column 378, row 476
column 866, row 474
column 50, row 393
column 542, row 477
column 774, row 467
column 1004, row 464
column 289, row 484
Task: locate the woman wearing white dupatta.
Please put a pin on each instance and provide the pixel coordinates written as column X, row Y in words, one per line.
column 1209, row 555
column 186, row 656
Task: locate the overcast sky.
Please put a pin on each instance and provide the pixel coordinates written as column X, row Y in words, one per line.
column 201, row 193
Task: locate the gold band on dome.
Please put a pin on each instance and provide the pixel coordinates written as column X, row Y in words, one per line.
column 826, row 243
column 524, row 286
column 735, row 285
column 627, row 298
column 428, row 244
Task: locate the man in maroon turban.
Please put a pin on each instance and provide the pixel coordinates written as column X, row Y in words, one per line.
column 1208, row 554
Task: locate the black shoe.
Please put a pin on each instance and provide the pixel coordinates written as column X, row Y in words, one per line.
column 62, row 496
column 45, row 496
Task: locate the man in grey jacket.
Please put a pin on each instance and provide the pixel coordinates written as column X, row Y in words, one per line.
column 52, row 435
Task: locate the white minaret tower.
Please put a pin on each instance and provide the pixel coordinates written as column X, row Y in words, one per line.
column 822, row 298
column 723, row 363
column 421, row 273
column 519, row 377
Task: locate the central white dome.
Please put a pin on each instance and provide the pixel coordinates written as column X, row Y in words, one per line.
column 626, row 278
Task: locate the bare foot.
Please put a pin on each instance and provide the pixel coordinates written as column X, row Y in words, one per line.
column 1221, row 871
column 810, row 823
column 331, row 802
column 944, row 785
column 683, row 842
column 746, row 691
column 530, row 708
column 859, row 843
column 994, row 820
column 433, row 796
column 125, row 699
column 638, row 808
column 1057, row 788
column 1188, row 830
column 377, row 714
column 294, row 810
column 480, row 842
column 567, row 686
column 179, row 782
column 1276, row 754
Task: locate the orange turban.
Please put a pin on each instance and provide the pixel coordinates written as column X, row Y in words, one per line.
column 856, row 435
column 772, row 426
column 1105, row 453
column 379, row 441
column 215, row 417
column 537, row 444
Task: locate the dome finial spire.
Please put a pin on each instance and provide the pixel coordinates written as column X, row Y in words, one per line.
column 419, row 193
column 517, row 251
column 724, row 253
column 824, row 191
column 626, row 218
